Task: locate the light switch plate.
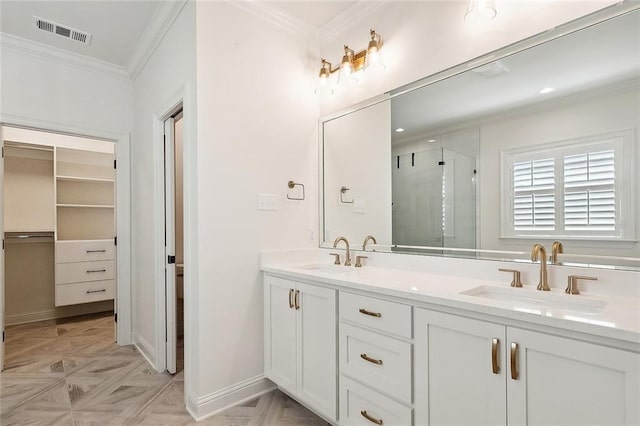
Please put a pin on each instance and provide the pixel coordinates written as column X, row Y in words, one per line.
column 267, row 202
column 359, row 206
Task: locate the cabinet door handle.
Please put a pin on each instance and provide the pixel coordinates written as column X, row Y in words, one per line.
column 514, row 360
column 297, row 300
column 96, row 270
column 371, row 360
column 371, row 419
column 96, row 251
column 495, row 345
column 371, row 314
column 97, row 291
column 291, row 298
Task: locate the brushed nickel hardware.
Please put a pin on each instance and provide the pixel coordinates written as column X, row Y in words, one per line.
column 97, row 251
column 96, row 270
column 347, row 260
column 291, row 298
column 572, row 283
column 514, row 360
column 515, row 282
column 495, row 347
column 359, row 261
column 337, row 258
column 538, row 252
column 371, row 360
column 556, row 248
column 297, row 300
column 343, row 191
column 371, row 314
column 366, row 240
column 291, row 184
column 96, row 291
column 371, row 419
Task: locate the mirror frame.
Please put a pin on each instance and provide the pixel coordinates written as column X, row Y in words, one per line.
column 570, row 27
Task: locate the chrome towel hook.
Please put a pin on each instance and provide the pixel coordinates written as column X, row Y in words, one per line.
column 343, row 190
column 292, row 185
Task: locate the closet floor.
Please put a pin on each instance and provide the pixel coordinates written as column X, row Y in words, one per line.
column 70, row 372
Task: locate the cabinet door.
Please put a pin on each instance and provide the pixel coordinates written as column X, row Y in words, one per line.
column 280, row 333
column 317, row 372
column 455, row 379
column 566, row 382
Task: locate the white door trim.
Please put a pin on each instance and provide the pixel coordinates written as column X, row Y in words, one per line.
column 123, row 208
column 170, row 243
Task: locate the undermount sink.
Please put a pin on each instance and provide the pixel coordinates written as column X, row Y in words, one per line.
column 324, row 268
column 538, row 302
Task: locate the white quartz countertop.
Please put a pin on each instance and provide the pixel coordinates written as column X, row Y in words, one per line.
column 611, row 316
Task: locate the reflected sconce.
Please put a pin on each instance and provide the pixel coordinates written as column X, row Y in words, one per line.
column 351, row 64
column 481, row 11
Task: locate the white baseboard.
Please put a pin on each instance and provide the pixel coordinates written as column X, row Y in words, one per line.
column 208, row 405
column 145, row 348
column 60, row 312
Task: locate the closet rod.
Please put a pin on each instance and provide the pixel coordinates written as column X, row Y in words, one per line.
column 25, row 236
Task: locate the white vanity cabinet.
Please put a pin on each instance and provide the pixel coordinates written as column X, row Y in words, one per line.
column 300, row 342
column 475, row 372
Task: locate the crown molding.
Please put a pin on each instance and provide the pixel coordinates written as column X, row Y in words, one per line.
column 346, row 19
column 154, row 32
column 261, row 9
column 54, row 54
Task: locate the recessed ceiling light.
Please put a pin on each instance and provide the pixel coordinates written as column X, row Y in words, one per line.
column 431, row 140
column 399, row 130
column 547, row 90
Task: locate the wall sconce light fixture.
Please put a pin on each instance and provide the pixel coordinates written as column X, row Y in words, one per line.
column 481, row 11
column 351, row 64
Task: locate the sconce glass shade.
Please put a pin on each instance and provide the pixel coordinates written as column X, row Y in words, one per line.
column 481, row 11
column 373, row 61
column 324, row 86
column 346, row 74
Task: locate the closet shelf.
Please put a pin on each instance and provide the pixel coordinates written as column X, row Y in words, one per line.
column 88, row 206
column 83, row 179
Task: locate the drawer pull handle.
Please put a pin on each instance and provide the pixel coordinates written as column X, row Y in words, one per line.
column 97, row 251
column 297, row 300
column 97, row 291
column 514, row 360
column 371, row 419
column 371, row 360
column 96, row 270
column 290, row 298
column 495, row 343
column 371, row 314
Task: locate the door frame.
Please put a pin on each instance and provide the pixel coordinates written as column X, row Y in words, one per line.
column 123, row 212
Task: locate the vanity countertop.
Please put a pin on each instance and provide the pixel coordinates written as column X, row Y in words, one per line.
column 611, row 316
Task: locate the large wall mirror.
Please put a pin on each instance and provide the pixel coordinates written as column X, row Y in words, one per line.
column 534, row 146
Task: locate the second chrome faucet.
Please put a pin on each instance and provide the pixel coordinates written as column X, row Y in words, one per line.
column 347, row 261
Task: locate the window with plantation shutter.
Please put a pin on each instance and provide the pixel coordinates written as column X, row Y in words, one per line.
column 569, row 189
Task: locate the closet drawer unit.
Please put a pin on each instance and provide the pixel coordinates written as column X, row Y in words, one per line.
column 85, row 251
column 390, row 317
column 364, row 407
column 94, row 291
column 84, row 271
column 380, row 362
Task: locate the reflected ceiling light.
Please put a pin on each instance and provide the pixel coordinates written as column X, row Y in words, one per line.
column 481, row 11
column 431, row 140
column 399, row 130
column 547, row 90
column 352, row 62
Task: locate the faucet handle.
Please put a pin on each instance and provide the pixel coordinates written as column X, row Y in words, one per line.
column 337, row 258
column 572, row 283
column 359, row 261
column 515, row 282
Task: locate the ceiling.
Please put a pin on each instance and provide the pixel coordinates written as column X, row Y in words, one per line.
column 315, row 14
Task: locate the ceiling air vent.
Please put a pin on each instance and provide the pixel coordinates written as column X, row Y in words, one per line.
column 62, row 31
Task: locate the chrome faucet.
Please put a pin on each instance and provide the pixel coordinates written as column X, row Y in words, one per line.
column 347, row 261
column 366, row 240
column 539, row 252
column 555, row 249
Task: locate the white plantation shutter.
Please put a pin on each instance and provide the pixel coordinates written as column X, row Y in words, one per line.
column 534, row 195
column 589, row 191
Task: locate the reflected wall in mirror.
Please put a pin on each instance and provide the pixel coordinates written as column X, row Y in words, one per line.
column 537, row 146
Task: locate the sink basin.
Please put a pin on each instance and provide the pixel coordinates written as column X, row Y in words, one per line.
column 324, row 268
column 538, row 302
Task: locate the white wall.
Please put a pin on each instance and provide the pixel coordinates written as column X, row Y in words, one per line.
column 256, row 131
column 167, row 77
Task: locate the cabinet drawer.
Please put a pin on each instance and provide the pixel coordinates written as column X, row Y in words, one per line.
column 390, row 317
column 84, row 271
column 84, row 251
column 94, row 291
column 378, row 361
column 363, row 407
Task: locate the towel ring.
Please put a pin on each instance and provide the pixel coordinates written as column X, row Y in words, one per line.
column 292, row 185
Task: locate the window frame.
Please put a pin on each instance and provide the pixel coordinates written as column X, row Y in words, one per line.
column 622, row 141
